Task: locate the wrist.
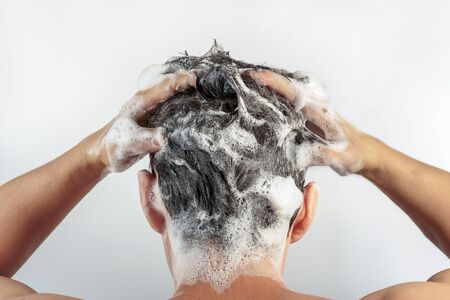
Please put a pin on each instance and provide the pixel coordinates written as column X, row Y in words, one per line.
column 90, row 151
column 372, row 155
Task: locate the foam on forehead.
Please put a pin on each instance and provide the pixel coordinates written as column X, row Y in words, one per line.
column 231, row 168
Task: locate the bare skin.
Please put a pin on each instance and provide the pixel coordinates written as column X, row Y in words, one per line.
column 244, row 287
column 32, row 205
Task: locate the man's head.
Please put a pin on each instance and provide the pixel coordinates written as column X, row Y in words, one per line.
column 226, row 189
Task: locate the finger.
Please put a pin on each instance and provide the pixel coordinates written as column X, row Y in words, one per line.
column 322, row 121
column 314, row 128
column 146, row 100
column 145, row 140
column 276, row 82
column 337, row 157
column 152, row 75
column 319, row 118
column 130, row 139
column 167, row 88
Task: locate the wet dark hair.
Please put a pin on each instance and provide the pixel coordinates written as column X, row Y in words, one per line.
column 198, row 176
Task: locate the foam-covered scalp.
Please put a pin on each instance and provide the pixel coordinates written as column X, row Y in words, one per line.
column 231, row 169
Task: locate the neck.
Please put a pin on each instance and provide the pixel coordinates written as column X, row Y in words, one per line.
column 243, row 287
column 219, row 266
column 219, row 273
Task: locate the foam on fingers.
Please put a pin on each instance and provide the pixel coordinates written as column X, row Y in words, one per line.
column 152, row 75
column 125, row 141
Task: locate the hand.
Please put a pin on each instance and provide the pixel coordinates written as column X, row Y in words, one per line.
column 346, row 149
column 122, row 142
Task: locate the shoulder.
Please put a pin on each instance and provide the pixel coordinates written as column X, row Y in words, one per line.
column 437, row 287
column 11, row 289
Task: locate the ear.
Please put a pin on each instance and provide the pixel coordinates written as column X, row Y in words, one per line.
column 150, row 202
column 305, row 216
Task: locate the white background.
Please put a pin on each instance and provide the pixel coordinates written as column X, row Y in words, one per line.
column 67, row 66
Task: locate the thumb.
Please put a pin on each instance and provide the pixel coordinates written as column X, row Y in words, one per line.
column 146, row 140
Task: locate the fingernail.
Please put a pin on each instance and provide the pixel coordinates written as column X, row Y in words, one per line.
column 192, row 78
column 157, row 138
column 156, row 143
column 248, row 73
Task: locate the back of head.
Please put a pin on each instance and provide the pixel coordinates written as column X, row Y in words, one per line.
column 231, row 169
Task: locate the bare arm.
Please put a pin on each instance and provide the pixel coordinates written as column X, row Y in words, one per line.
column 420, row 190
column 32, row 205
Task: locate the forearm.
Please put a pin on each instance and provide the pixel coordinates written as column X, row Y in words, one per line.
column 420, row 190
column 32, row 205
